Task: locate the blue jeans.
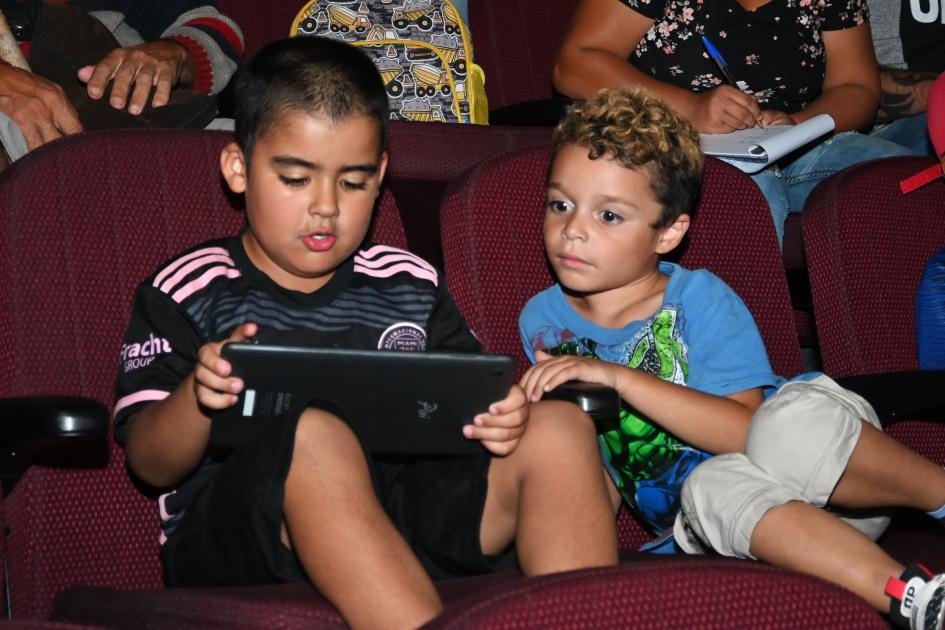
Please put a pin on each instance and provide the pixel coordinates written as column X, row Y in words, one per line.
column 786, row 188
column 911, row 132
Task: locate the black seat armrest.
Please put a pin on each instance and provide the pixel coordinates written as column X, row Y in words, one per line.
column 34, row 426
column 600, row 402
column 899, row 396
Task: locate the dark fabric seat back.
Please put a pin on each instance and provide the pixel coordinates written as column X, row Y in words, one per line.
column 516, row 42
column 261, row 22
column 866, row 245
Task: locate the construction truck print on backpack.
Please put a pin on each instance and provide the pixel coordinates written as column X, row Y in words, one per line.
column 422, row 49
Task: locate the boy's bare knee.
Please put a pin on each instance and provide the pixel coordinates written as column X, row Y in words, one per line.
column 558, row 425
column 321, row 431
column 327, row 458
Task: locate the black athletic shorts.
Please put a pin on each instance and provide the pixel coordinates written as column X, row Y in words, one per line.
column 230, row 533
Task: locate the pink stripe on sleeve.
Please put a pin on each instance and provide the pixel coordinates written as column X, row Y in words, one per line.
column 143, row 395
column 195, row 285
column 162, row 505
column 410, row 268
column 183, row 259
column 387, row 249
column 377, row 263
column 168, row 285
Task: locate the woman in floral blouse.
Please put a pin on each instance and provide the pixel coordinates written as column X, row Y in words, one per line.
column 794, row 58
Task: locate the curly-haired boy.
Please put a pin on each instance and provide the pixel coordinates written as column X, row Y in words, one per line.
column 699, row 452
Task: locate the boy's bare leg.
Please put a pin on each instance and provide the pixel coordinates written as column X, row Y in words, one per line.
column 344, row 539
column 805, row 538
column 549, row 496
column 883, row 472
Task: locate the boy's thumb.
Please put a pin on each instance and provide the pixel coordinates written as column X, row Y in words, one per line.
column 244, row 332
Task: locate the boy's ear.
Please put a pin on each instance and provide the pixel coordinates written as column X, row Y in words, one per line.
column 672, row 235
column 233, row 167
column 381, row 170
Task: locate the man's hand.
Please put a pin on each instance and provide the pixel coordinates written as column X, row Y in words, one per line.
column 162, row 64
column 502, row 427
column 214, row 387
column 37, row 106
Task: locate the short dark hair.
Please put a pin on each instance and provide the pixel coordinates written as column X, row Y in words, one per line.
column 637, row 129
column 315, row 75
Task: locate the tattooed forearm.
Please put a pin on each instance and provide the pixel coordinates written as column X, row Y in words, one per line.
column 903, row 93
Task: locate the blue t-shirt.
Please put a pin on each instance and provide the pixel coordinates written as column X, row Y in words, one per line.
column 702, row 336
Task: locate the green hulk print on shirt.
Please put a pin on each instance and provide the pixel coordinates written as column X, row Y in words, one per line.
column 647, row 464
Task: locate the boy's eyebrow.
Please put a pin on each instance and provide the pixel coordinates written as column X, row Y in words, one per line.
column 288, row 160
column 604, row 198
column 616, row 199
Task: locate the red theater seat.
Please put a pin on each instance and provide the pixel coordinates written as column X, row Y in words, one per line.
column 866, row 245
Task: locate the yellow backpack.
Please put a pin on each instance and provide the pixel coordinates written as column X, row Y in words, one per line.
column 422, row 49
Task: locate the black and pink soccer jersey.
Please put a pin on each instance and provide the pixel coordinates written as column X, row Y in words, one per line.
column 381, row 297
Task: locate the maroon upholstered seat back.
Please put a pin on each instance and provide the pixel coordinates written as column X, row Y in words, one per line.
column 261, row 22
column 426, row 156
column 866, row 245
column 82, row 222
column 515, row 42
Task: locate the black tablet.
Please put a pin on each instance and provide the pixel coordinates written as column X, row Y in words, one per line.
column 396, row 402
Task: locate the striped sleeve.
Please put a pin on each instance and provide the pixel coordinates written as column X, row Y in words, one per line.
column 159, row 351
column 215, row 42
column 162, row 340
column 194, row 271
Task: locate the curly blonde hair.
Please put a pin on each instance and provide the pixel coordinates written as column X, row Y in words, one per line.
column 637, row 129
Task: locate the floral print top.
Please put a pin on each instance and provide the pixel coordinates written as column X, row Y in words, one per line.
column 777, row 50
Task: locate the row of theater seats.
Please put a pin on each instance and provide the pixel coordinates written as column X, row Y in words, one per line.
column 83, row 220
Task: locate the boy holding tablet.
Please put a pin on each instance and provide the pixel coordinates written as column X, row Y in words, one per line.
column 303, row 501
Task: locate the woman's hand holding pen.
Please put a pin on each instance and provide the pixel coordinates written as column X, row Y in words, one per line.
column 734, row 110
column 774, row 117
column 723, row 109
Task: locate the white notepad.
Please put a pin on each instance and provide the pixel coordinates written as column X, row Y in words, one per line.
column 753, row 149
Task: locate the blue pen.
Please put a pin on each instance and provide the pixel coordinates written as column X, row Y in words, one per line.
column 723, row 67
column 719, row 60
